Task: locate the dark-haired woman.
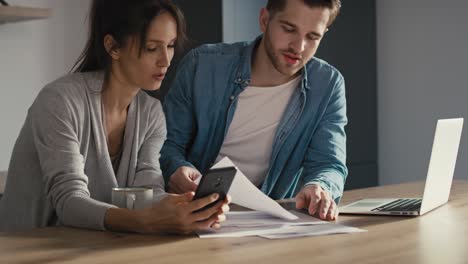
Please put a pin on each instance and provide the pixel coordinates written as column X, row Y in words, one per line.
column 95, row 129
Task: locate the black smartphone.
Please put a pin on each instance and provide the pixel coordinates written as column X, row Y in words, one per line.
column 215, row 181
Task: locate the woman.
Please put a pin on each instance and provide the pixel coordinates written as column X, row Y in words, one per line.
column 94, row 130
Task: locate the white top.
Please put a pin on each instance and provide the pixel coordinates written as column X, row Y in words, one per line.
column 249, row 140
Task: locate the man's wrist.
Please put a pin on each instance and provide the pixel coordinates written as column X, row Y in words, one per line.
column 173, row 169
column 312, row 183
column 317, row 183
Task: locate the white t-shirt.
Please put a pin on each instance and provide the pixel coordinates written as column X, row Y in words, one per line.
column 249, row 140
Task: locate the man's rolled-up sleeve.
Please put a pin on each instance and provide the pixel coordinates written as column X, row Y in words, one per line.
column 179, row 119
column 325, row 160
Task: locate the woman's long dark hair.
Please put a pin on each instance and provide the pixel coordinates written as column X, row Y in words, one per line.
column 123, row 19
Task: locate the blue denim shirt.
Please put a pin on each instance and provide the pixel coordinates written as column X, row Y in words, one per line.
column 310, row 141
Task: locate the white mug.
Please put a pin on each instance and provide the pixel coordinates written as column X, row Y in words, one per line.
column 132, row 197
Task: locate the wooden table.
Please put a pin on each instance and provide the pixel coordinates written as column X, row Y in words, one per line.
column 441, row 236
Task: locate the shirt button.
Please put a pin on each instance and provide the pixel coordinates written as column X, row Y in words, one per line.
column 231, row 98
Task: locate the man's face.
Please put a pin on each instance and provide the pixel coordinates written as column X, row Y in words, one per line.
column 292, row 36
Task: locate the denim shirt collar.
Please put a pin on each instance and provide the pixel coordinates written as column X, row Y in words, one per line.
column 244, row 70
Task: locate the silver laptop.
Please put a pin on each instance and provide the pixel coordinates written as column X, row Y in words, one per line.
column 438, row 181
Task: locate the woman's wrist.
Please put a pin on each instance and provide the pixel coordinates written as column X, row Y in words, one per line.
column 120, row 219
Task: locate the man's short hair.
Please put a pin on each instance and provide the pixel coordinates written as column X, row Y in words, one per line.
column 334, row 6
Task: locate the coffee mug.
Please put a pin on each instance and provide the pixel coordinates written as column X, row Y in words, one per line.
column 132, row 197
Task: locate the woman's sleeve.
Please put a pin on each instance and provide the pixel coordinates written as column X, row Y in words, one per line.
column 148, row 168
column 54, row 129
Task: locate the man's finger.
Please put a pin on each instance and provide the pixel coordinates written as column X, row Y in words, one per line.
column 194, row 176
column 181, row 183
column 331, row 215
column 337, row 212
column 324, row 206
column 300, row 201
column 314, row 204
column 188, row 185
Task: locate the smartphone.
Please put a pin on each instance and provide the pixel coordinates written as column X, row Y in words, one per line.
column 215, row 181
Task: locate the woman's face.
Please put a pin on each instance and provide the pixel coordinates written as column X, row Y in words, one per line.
column 148, row 70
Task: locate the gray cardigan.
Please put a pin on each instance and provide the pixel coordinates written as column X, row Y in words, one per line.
column 60, row 170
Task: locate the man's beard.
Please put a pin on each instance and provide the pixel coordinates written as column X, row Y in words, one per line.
column 276, row 60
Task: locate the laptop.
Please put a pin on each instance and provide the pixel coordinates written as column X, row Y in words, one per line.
column 438, row 181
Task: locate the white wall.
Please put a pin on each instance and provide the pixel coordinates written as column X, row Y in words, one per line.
column 33, row 54
column 422, row 76
column 240, row 19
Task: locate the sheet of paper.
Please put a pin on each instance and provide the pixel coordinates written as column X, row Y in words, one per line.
column 280, row 231
column 252, row 223
column 262, row 219
column 269, row 219
column 245, row 194
column 233, row 231
column 311, row 230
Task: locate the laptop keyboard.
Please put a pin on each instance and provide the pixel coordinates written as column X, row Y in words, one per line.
column 400, row 205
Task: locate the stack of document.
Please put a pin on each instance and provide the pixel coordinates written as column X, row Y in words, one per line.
column 254, row 223
column 268, row 219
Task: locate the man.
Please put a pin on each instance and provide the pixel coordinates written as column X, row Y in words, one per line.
column 276, row 111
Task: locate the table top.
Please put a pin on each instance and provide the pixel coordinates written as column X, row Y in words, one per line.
column 441, row 236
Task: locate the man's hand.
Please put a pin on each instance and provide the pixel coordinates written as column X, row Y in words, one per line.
column 183, row 180
column 317, row 201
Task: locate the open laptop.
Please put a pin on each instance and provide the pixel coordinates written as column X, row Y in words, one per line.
column 438, row 181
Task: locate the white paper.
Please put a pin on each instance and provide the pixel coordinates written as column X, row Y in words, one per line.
column 245, row 194
column 311, row 230
column 261, row 219
column 252, row 223
column 269, row 220
column 226, row 232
